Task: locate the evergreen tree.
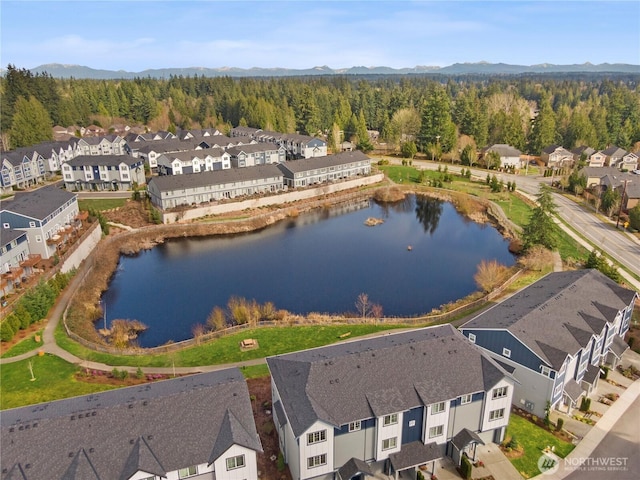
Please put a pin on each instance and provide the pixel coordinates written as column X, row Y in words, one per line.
column 437, row 126
column 31, row 123
column 543, row 132
column 541, row 229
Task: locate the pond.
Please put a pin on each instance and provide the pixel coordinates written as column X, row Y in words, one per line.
column 424, row 255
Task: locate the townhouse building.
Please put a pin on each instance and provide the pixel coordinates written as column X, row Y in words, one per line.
column 387, row 404
column 329, row 168
column 21, row 169
column 256, row 154
column 44, row 214
column 195, row 161
column 16, row 262
column 170, row 191
column 554, row 335
column 104, row 172
column 199, row 426
column 106, row 145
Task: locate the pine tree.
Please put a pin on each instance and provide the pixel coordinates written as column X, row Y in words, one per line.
column 31, row 123
column 541, row 228
column 437, row 126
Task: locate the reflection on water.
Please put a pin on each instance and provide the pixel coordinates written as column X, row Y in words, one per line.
column 317, row 262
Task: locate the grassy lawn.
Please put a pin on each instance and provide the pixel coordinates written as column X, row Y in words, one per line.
column 100, row 204
column 533, row 439
column 272, row 341
column 255, row 371
column 54, row 379
column 24, row 346
column 515, row 208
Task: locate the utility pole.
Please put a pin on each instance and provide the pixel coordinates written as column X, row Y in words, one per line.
column 624, row 191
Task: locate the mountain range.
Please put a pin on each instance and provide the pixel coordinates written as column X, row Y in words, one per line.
column 58, row 70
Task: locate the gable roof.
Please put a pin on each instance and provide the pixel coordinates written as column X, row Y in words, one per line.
column 504, row 150
column 204, row 179
column 313, row 163
column 39, row 203
column 556, row 315
column 107, row 160
column 614, row 151
column 9, row 235
column 154, row 427
column 252, row 148
column 357, row 380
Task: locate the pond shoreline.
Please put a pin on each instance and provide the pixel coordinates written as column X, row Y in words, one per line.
column 85, row 306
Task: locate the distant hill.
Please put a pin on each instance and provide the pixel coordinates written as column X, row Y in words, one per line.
column 483, row 68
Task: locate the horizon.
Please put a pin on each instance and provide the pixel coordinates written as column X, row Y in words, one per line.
column 140, row 35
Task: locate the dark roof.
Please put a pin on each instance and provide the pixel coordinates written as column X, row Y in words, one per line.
column 98, row 160
column 532, row 315
column 305, row 164
column 352, row 467
column 618, row 346
column 170, row 145
column 39, row 203
column 504, row 150
column 357, row 380
column 279, row 411
column 614, row 150
column 583, row 148
column 551, row 148
column 598, row 171
column 572, row 389
column 156, row 427
column 464, row 437
column 203, row 179
column 592, row 374
column 252, row 148
column 8, row 235
column 189, row 155
column 414, row 454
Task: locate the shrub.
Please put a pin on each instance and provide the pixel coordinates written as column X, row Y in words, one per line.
column 6, row 331
column 585, row 404
column 513, row 443
column 280, row 464
column 604, row 372
column 465, row 468
column 559, row 424
column 139, row 373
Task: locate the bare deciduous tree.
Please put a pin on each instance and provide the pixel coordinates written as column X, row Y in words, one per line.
column 198, row 330
column 217, row 320
column 489, row 274
column 363, row 306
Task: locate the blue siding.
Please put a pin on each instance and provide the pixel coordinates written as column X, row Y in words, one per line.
column 412, row 434
column 369, row 423
column 559, row 381
column 16, row 221
column 496, row 340
column 474, row 398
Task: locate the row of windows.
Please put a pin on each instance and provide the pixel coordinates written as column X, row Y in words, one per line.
column 499, row 392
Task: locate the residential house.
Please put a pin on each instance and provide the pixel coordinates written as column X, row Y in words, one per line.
column 613, row 156
column 509, row 156
column 105, row 172
column 582, row 153
column 629, row 162
column 595, row 174
column 311, row 171
column 256, row 154
column 45, row 214
column 194, row 161
column 554, row 335
column 241, row 131
column 391, row 403
column 597, row 159
column 169, row 191
column 199, row 426
column 626, row 184
column 304, row 146
column 21, row 169
column 106, row 145
column 14, row 251
column 150, row 151
column 556, row 156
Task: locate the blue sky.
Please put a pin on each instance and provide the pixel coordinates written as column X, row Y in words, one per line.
column 137, row 35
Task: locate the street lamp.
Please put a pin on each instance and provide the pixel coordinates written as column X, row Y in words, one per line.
column 624, row 190
column 438, row 146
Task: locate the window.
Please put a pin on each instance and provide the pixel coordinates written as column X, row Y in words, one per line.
column 32, row 224
column 499, row 392
column 472, row 338
column 496, row 414
column 317, row 461
column 390, row 419
column 355, row 426
column 316, row 437
column 389, row 443
column 557, row 390
column 6, row 225
column 546, row 371
column 188, row 472
column 152, row 477
column 506, row 352
column 436, row 431
column 437, row 408
column 38, row 238
column 464, row 399
column 235, row 462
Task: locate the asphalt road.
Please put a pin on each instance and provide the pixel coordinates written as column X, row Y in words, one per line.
column 617, row 456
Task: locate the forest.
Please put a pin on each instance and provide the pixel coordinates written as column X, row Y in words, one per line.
column 438, row 114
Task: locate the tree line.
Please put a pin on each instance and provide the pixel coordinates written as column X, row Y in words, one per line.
column 440, row 114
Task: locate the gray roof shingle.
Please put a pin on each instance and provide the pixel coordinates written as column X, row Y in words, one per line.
column 97, row 160
column 532, row 315
column 203, row 179
column 304, row 164
column 358, row 380
column 159, row 426
column 39, row 203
